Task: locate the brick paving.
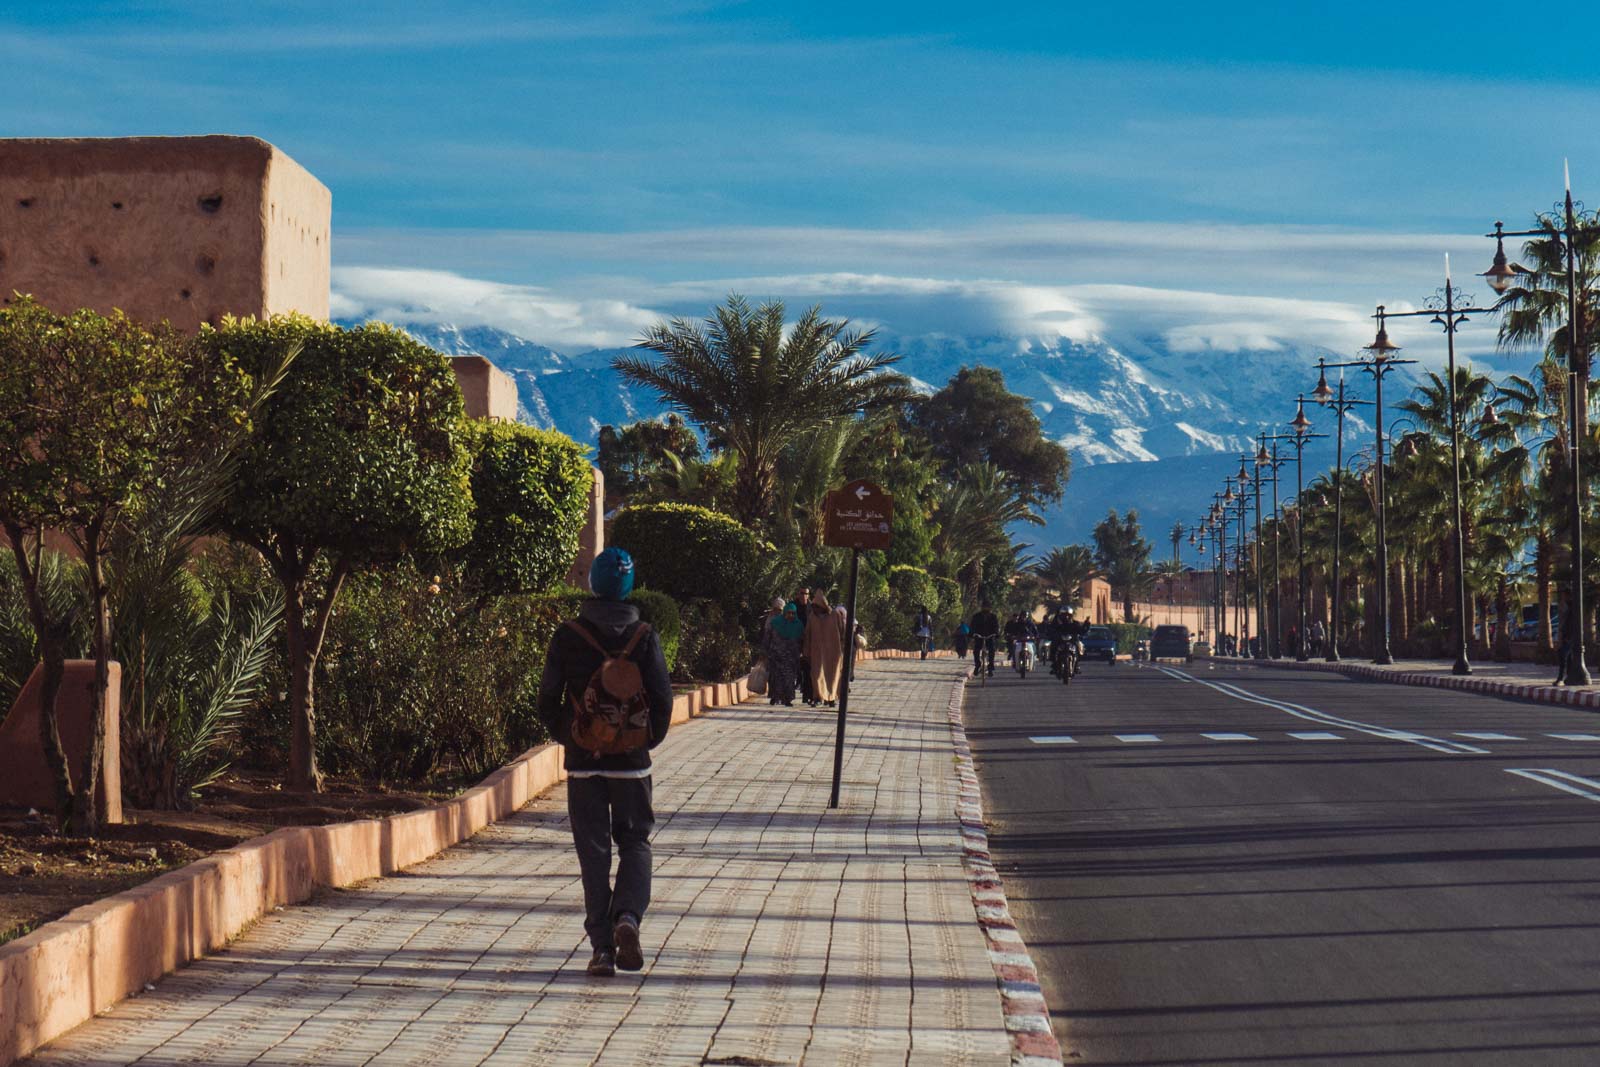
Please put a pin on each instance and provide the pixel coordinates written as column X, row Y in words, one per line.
column 780, row 933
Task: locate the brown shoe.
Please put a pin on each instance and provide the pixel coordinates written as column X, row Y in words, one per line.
column 603, row 964
column 625, row 934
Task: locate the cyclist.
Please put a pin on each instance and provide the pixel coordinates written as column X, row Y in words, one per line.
column 922, row 626
column 985, row 629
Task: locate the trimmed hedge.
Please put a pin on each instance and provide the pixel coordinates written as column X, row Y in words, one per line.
column 661, row 612
column 530, row 492
column 913, row 588
column 689, row 552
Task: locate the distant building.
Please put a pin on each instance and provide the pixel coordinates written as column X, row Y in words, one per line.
column 186, row 229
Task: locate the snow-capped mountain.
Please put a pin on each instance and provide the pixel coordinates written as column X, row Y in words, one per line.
column 1100, row 400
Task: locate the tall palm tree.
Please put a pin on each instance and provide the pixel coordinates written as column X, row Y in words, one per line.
column 1065, row 569
column 755, row 384
column 974, row 513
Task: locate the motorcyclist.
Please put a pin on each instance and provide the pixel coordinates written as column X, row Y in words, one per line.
column 985, row 629
column 1071, row 630
column 1021, row 628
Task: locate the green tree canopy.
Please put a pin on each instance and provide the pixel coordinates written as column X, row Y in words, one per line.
column 530, row 496
column 1124, row 555
column 755, row 384
column 975, row 418
column 631, row 457
column 358, row 459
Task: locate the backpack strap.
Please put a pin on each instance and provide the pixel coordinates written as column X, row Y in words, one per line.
column 633, row 642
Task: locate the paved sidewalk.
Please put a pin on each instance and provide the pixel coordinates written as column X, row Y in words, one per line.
column 781, row 933
column 1522, row 681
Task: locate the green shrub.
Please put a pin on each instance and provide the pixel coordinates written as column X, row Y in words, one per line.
column 913, row 588
column 690, row 553
column 661, row 612
column 530, row 495
column 1128, row 634
column 713, row 648
column 415, row 684
column 61, row 587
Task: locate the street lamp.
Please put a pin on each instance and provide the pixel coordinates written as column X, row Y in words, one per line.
column 1328, row 398
column 1442, row 310
column 1241, row 608
column 1299, row 438
column 1245, row 462
column 1381, row 362
column 1270, row 460
column 1502, row 275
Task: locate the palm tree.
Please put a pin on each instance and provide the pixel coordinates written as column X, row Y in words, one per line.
column 974, row 513
column 1065, row 570
column 755, row 386
column 1124, row 555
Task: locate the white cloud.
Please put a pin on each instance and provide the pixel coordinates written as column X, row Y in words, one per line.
column 531, row 312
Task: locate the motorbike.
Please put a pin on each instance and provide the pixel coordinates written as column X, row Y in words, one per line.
column 1070, row 652
column 1024, row 656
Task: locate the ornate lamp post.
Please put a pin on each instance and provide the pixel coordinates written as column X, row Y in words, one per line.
column 1241, row 602
column 1245, row 462
column 1326, row 397
column 1301, row 436
column 1502, row 276
column 1443, row 310
column 1271, row 461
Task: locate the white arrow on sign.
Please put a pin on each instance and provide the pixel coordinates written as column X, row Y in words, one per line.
column 862, row 492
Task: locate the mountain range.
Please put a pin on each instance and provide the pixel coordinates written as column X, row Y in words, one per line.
column 1148, row 426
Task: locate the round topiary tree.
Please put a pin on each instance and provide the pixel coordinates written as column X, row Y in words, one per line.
column 689, row 552
column 530, row 494
column 357, row 460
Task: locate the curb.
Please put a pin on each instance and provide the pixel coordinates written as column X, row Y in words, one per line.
column 69, row 970
column 1533, row 694
column 1027, row 1020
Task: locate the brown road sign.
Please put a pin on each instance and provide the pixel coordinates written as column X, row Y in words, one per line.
column 859, row 516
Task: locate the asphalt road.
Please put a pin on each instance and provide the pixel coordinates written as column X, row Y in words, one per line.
column 1343, row 872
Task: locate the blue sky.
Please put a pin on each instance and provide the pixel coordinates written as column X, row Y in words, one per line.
column 575, row 168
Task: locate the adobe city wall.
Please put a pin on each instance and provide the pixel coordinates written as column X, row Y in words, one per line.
column 186, row 229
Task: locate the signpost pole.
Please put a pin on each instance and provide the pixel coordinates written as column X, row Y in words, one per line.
column 849, row 673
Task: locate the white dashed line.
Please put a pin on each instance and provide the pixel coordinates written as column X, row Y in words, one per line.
column 1137, row 739
column 1054, row 740
column 1228, row 737
column 1316, row 735
column 1574, row 737
column 1489, row 737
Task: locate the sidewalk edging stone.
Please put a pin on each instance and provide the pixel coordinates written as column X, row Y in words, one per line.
column 1536, row 694
column 1027, row 1019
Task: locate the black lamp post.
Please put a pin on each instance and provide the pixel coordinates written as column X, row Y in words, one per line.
column 1261, row 628
column 1442, row 309
column 1380, row 364
column 1272, row 461
column 1502, row 276
column 1241, row 602
column 1340, row 405
column 1302, row 434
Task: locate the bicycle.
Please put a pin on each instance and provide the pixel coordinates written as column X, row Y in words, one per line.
column 982, row 645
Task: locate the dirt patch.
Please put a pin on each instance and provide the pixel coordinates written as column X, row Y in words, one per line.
column 43, row 875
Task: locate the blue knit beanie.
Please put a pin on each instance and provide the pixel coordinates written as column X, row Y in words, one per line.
column 611, row 575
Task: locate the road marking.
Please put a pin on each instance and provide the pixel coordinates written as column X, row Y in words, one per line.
column 1567, row 783
column 1228, row 737
column 1574, row 737
column 1489, row 737
column 1137, row 739
column 1316, row 735
column 1323, row 718
column 1054, row 740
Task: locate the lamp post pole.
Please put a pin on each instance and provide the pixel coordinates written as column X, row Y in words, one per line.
column 1340, row 405
column 1502, row 276
column 1272, row 460
column 1261, row 631
column 1443, row 310
column 1299, row 438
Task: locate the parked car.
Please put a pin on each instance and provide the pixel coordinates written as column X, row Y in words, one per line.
column 1100, row 643
column 1171, row 642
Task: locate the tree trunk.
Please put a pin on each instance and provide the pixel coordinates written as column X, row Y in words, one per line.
column 1399, row 618
column 51, row 634
column 87, row 811
column 753, row 491
column 1502, row 610
column 305, row 627
column 1541, row 566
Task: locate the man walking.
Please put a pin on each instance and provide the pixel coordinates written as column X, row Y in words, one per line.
column 607, row 699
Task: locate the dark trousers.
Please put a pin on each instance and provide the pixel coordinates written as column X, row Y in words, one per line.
column 603, row 810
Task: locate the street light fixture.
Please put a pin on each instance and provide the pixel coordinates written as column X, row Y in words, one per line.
column 1340, row 405
column 1442, row 310
column 1381, row 362
column 1502, row 275
column 1301, row 436
column 1266, row 460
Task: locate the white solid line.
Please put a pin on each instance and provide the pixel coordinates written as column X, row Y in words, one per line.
column 1574, row 737
column 1054, row 740
column 1316, row 735
column 1137, row 739
column 1545, row 777
column 1228, row 737
column 1578, row 779
column 1489, row 737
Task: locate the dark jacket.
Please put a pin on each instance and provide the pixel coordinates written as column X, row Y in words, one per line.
column 570, row 663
